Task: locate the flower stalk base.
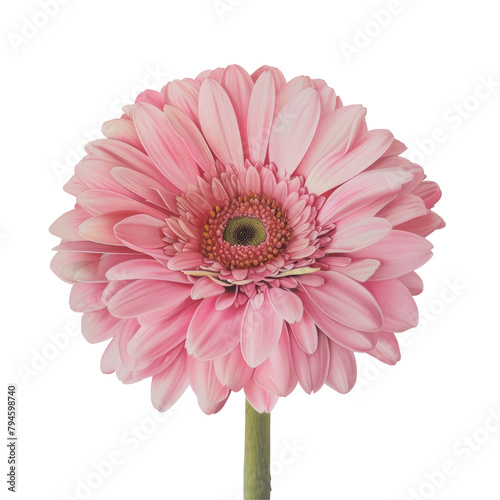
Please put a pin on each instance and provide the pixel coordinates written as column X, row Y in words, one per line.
column 257, row 467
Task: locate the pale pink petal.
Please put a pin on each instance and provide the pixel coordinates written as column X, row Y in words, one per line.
column 238, row 85
column 387, row 349
column 399, row 253
column 276, row 373
column 143, row 296
column 213, row 333
column 186, row 261
column 166, row 149
column 397, row 304
column 144, row 187
column 342, row 372
column 347, row 302
column 360, row 270
column 260, row 332
column 278, row 77
column 306, row 334
column 293, row 130
column 66, row 226
column 141, row 231
column 287, row 304
column 329, row 174
column 87, row 297
column 219, row 123
column 359, row 235
column 100, row 229
column 430, row 193
column 311, row 369
column 192, row 137
column 205, row 287
column 169, row 385
column 144, row 269
column 403, row 209
column 259, row 398
column 183, row 94
column 232, row 370
column 343, row 335
column 363, row 193
column 260, row 117
column 413, row 282
column 423, row 226
column 152, row 97
column 99, row 202
column 152, row 342
column 204, row 382
column 122, row 130
column 98, row 326
column 336, row 131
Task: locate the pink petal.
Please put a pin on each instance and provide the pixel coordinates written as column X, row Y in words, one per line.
column 213, row 333
column 293, row 130
column 186, row 261
column 144, row 187
column 278, row 77
column 423, row 226
column 152, row 97
column 306, row 334
column 99, row 202
column 122, row 130
column 397, row 304
column 366, row 151
column 192, row 137
column 342, row 372
column 360, row 270
column 336, row 131
column 387, row 349
column 219, row 123
column 287, row 304
column 259, row 398
column 311, row 369
column 152, row 342
column 232, row 370
column 238, row 85
column 347, row 302
column 163, row 145
column 205, row 287
column 66, row 226
column 144, row 269
column 100, row 229
column 413, row 282
column 143, row 296
column 205, row 383
column 399, row 253
column 359, row 235
column 429, row 192
column 363, row 193
column 169, row 385
column 141, row 231
column 260, row 332
column 403, row 209
column 276, row 373
column 98, row 326
column 260, row 117
column 86, row 297
column 343, row 335
column 183, row 95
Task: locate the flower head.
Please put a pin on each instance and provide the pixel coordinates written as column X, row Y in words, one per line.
column 239, row 231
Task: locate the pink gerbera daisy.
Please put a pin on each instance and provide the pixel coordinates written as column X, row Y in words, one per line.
column 240, row 231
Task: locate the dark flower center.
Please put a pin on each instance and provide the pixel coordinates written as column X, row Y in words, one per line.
column 245, row 231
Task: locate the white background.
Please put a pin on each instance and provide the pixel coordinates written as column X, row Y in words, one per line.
column 418, row 72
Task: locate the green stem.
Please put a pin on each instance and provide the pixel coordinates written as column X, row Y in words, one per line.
column 257, row 468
